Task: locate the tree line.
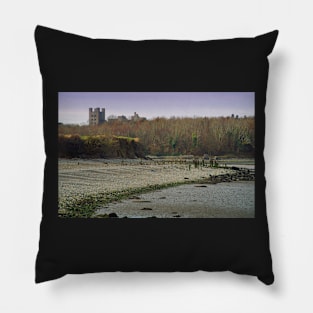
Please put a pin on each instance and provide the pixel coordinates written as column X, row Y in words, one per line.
column 179, row 136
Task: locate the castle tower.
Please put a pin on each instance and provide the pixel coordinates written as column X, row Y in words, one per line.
column 90, row 116
column 96, row 117
column 103, row 115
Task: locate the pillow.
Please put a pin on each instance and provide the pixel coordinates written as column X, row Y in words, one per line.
column 154, row 155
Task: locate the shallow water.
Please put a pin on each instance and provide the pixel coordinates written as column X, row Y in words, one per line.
column 223, row 200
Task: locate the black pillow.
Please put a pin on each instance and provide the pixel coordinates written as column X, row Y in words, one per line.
column 122, row 193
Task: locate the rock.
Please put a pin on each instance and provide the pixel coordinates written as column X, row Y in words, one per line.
column 113, row 215
column 200, row 186
column 146, row 209
column 176, row 215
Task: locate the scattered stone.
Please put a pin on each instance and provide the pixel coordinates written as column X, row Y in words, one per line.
column 162, row 198
column 176, row 215
column 200, row 186
column 134, row 197
column 186, row 178
column 146, row 209
column 141, row 201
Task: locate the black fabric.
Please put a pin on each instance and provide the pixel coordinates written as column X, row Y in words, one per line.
column 73, row 63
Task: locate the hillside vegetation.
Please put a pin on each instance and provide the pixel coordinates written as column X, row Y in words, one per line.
column 99, row 146
column 160, row 136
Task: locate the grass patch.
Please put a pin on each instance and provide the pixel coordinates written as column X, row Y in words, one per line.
column 136, row 139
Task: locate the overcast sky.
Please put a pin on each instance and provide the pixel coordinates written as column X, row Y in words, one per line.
column 73, row 106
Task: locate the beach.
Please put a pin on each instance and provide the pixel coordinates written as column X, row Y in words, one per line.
column 94, row 184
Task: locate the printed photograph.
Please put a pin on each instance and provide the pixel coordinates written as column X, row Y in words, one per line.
column 156, row 155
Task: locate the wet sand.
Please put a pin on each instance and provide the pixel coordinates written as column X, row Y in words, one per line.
column 223, row 200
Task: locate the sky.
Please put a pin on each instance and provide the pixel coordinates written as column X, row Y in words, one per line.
column 73, row 106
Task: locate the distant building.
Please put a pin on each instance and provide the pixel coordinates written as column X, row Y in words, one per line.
column 122, row 118
column 136, row 117
column 96, row 117
column 112, row 118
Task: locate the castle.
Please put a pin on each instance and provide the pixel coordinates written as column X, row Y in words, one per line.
column 97, row 117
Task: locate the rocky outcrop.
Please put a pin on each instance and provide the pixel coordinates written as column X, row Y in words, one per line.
column 238, row 174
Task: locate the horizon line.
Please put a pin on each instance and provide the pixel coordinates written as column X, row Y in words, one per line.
column 168, row 118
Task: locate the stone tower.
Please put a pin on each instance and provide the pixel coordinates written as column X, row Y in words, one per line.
column 96, row 117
